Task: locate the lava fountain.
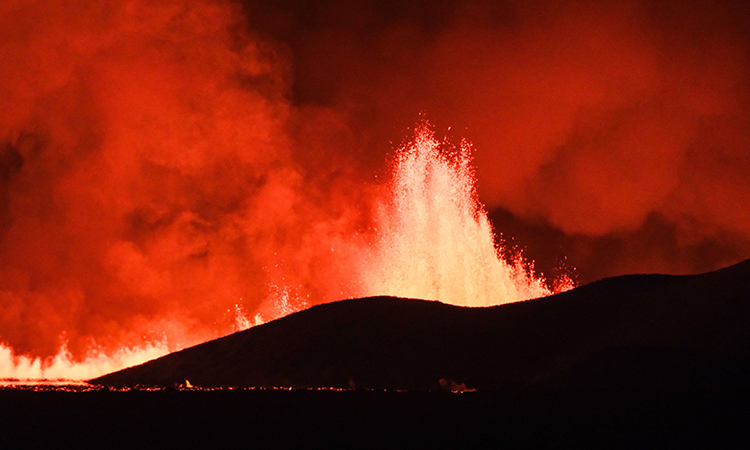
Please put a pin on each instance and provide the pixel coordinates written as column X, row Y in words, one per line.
column 434, row 238
column 430, row 239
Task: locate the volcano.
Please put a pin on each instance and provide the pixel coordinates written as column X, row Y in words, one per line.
column 634, row 331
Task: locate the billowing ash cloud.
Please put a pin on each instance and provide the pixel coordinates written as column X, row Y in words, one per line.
column 163, row 161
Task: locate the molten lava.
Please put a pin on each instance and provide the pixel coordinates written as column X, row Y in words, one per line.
column 64, row 367
column 435, row 241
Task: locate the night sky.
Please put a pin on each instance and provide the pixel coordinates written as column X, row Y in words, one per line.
column 162, row 162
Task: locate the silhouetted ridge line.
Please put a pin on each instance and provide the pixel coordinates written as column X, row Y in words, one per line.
column 393, row 343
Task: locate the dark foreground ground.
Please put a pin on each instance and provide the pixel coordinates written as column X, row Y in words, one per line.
column 580, row 418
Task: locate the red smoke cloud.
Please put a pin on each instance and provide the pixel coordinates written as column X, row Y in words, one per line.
column 160, row 161
column 148, row 182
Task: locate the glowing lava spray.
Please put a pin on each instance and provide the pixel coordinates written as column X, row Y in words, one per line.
column 434, row 238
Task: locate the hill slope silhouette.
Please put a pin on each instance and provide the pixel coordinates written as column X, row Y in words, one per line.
column 634, row 332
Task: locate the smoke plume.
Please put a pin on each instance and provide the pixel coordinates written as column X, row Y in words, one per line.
column 148, row 179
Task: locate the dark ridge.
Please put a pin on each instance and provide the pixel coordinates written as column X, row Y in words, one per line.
column 685, row 331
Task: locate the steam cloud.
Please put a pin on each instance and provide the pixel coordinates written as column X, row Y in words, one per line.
column 162, row 162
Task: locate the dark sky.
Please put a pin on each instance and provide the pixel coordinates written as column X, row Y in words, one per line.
column 163, row 161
